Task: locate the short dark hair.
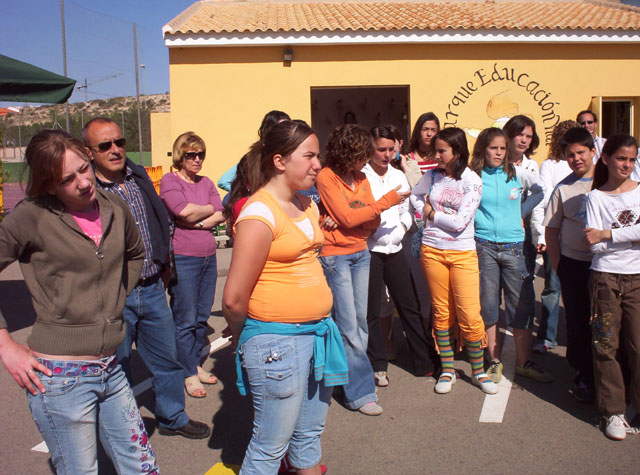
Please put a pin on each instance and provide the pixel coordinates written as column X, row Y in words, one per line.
column 586, row 111
column 576, row 135
column 556, row 147
column 92, row 122
column 516, row 125
column 414, row 143
column 270, row 119
column 611, row 146
column 457, row 140
column 45, row 156
column 347, row 145
column 382, row 132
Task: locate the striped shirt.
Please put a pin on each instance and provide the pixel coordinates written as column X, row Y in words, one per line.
column 424, row 165
column 131, row 194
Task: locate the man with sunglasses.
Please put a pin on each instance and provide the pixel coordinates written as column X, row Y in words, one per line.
column 148, row 317
column 589, row 120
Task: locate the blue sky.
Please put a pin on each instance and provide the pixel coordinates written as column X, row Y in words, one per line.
column 99, row 41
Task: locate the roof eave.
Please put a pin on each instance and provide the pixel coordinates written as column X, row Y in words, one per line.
column 201, row 39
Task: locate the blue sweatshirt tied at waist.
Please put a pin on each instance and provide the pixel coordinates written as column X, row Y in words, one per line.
column 329, row 358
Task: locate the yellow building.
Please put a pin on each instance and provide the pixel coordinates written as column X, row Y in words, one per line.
column 474, row 64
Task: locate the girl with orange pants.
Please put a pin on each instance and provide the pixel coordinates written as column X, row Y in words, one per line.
column 448, row 197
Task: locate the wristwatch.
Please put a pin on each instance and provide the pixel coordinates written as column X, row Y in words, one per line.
column 201, row 225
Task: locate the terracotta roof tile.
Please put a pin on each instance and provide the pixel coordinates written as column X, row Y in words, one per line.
column 227, row 16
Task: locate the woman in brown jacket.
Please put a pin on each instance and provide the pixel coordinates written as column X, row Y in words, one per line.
column 80, row 253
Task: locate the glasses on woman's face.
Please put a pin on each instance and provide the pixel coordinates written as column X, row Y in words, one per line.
column 194, row 155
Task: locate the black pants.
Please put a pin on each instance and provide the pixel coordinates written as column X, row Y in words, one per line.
column 393, row 270
column 574, row 283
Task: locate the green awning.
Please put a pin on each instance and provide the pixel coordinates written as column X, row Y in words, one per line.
column 23, row 82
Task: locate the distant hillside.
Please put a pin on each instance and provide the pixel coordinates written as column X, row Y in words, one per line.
column 17, row 129
column 95, row 108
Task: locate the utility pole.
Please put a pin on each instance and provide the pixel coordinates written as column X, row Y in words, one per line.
column 135, row 55
column 64, row 57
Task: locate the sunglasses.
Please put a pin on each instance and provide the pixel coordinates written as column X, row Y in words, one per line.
column 587, row 122
column 193, row 155
column 105, row 146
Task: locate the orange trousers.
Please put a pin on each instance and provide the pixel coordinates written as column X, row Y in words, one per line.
column 453, row 278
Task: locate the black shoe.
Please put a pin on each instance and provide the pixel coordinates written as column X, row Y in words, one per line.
column 582, row 393
column 191, row 430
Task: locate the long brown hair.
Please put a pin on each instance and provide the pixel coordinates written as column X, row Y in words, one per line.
column 414, row 142
column 611, row 146
column 480, row 151
column 457, row 140
column 515, row 126
column 45, row 156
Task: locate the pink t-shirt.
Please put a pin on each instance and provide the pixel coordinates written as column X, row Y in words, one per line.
column 90, row 223
column 176, row 194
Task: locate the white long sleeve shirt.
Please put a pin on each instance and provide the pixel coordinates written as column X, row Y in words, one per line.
column 395, row 221
column 552, row 172
column 455, row 203
column 621, row 214
column 537, row 215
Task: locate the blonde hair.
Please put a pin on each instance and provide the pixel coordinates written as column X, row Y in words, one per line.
column 184, row 143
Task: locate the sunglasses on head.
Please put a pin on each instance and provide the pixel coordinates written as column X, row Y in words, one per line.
column 193, row 155
column 587, row 122
column 105, row 146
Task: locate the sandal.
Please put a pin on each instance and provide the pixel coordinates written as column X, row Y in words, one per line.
column 194, row 387
column 206, row 377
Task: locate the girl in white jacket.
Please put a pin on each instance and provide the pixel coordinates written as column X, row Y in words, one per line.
column 389, row 265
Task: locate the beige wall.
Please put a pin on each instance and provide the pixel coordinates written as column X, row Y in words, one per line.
column 161, row 140
column 223, row 93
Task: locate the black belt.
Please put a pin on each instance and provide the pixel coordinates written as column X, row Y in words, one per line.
column 147, row 281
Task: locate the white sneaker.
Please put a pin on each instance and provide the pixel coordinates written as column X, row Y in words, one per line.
column 381, row 379
column 371, row 409
column 443, row 386
column 616, row 427
column 487, row 386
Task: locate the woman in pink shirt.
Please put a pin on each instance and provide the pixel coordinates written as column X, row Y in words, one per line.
column 195, row 205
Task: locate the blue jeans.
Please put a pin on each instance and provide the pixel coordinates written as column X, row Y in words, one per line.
column 550, row 299
column 150, row 325
column 290, row 407
column 348, row 278
column 502, row 266
column 76, row 407
column 191, row 301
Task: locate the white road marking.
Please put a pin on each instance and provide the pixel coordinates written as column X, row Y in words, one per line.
column 143, row 386
column 41, row 447
column 495, row 405
column 214, row 345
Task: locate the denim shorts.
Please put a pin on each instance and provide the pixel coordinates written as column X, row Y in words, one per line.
column 290, row 407
column 503, row 267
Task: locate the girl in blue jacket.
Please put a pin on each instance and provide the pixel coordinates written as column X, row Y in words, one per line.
column 499, row 236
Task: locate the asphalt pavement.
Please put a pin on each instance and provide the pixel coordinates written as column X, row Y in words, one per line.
column 542, row 429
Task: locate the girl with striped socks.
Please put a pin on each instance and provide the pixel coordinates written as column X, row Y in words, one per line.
column 448, row 197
